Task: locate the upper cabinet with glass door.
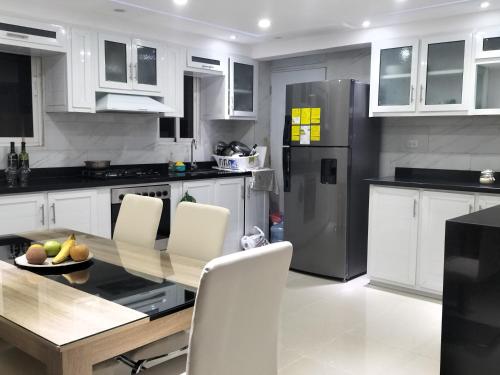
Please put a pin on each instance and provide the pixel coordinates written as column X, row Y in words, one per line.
column 444, row 73
column 129, row 64
column 414, row 77
column 242, row 87
column 394, row 76
column 487, row 72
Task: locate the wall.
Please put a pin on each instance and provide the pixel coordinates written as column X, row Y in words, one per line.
column 468, row 142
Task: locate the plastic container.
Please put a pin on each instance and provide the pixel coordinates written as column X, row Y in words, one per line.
column 278, row 232
column 237, row 163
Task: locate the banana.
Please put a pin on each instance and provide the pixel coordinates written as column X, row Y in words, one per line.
column 64, row 253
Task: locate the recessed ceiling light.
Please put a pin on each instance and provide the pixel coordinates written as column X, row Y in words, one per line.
column 180, row 2
column 119, row 10
column 264, row 23
column 366, row 23
column 232, row 37
column 485, row 4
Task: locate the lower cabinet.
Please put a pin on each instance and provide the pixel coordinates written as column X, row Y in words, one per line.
column 22, row 213
column 406, row 233
column 228, row 193
column 392, row 235
column 80, row 210
column 435, row 208
column 75, row 210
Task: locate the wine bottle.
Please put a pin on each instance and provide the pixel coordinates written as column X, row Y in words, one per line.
column 12, row 157
column 24, row 158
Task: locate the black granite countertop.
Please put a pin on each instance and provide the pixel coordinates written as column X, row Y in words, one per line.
column 47, row 179
column 443, row 179
column 489, row 217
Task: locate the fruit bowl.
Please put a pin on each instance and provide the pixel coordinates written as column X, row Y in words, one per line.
column 21, row 261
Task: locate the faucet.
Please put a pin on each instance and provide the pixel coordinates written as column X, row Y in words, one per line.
column 194, row 146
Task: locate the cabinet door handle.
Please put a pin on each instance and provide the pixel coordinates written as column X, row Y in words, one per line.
column 42, row 208
column 53, row 212
column 243, row 192
column 134, row 72
column 412, row 94
column 480, row 207
column 421, row 94
column 414, row 208
column 470, row 208
column 131, row 71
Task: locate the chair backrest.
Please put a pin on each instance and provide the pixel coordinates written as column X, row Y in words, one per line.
column 138, row 220
column 198, row 231
column 235, row 321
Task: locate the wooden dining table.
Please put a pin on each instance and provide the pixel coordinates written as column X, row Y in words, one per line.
column 69, row 329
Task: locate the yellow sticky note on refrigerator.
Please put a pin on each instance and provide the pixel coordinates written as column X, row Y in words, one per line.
column 295, row 116
column 315, row 133
column 295, row 133
column 315, row 115
column 305, row 116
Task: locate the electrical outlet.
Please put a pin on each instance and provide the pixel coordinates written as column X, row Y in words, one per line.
column 412, row 143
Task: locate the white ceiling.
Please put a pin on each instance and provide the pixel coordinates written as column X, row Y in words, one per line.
column 290, row 18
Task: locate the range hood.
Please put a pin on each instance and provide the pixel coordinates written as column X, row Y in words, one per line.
column 130, row 103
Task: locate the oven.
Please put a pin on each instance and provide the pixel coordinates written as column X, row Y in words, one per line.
column 159, row 191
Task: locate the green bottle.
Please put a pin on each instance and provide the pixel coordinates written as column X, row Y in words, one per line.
column 24, row 158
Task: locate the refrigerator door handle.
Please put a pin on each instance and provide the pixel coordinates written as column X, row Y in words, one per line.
column 287, row 161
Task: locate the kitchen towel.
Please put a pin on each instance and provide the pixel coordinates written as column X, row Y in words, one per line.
column 264, row 180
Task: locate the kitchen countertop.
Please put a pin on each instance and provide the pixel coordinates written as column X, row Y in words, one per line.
column 443, row 179
column 47, row 179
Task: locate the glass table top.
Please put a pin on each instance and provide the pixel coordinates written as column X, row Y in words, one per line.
column 116, row 280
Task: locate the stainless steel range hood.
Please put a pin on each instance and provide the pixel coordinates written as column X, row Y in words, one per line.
column 130, row 103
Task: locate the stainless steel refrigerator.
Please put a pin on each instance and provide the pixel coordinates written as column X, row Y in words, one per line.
column 330, row 145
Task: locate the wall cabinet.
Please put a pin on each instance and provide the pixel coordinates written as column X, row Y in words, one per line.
column 414, row 77
column 392, row 244
column 232, row 95
column 81, row 210
column 407, row 230
column 129, row 64
column 70, row 79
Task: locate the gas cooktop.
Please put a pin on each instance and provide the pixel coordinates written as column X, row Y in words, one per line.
column 111, row 173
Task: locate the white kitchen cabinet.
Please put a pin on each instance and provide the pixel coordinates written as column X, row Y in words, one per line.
column 394, row 70
column 435, row 208
column 21, row 213
column 201, row 190
column 129, row 64
column 392, row 235
column 75, row 210
column 230, row 193
column 445, row 73
column 256, row 208
column 484, row 201
column 175, row 64
column 70, row 79
column 232, row 95
column 413, row 77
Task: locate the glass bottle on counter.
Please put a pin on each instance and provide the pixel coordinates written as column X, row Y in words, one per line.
column 24, row 166
column 12, row 157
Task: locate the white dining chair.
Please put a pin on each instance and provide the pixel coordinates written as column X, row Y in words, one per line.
column 235, row 321
column 198, row 231
column 138, row 220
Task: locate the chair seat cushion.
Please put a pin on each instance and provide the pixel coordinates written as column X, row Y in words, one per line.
column 161, row 347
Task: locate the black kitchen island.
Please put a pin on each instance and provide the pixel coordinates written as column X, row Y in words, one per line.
column 470, row 339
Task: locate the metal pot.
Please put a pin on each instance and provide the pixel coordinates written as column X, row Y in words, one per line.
column 240, row 148
column 97, row 164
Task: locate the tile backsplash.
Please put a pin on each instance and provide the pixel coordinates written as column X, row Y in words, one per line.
column 467, row 142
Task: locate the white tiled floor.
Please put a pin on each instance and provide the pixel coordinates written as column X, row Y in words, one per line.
column 329, row 327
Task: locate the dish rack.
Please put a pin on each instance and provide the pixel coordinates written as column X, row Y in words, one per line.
column 237, row 163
